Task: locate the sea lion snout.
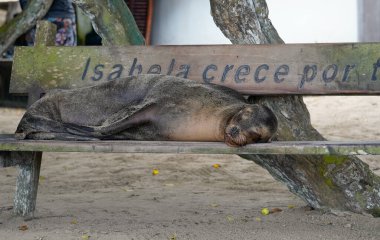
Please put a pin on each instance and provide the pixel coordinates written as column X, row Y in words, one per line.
column 234, row 132
column 252, row 124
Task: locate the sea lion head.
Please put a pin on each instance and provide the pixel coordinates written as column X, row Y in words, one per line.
column 254, row 123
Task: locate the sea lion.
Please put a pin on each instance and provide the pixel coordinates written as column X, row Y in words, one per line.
column 148, row 107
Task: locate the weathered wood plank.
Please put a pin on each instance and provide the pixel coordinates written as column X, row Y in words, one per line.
column 30, row 165
column 8, row 143
column 251, row 69
column 45, row 36
column 45, row 33
column 27, row 183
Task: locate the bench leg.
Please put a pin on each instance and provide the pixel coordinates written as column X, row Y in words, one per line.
column 27, row 183
column 5, row 159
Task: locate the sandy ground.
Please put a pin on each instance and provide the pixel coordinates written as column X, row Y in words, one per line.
column 115, row 196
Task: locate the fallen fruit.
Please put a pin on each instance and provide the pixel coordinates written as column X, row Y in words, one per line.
column 275, row 210
column 265, row 211
column 155, row 172
column 23, row 227
column 216, row 165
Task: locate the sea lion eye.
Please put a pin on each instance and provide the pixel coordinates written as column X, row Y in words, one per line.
column 254, row 136
column 263, row 140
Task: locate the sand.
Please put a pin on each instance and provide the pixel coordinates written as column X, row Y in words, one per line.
column 115, row 196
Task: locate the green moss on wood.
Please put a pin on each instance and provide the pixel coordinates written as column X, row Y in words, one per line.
column 331, row 159
column 327, row 166
column 362, row 56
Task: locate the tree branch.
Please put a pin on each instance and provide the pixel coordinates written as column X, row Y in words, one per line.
column 113, row 21
column 257, row 30
column 324, row 182
column 35, row 10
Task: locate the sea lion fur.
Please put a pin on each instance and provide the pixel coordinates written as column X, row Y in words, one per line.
column 148, row 107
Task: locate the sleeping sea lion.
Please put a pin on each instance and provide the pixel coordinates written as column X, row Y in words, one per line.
column 148, row 107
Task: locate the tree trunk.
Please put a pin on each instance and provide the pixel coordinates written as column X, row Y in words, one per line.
column 323, row 182
column 113, row 21
column 35, row 10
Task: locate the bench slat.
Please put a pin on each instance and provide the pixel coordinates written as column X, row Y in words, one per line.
column 8, row 143
column 301, row 69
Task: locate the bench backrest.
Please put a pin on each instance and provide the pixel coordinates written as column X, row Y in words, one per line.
column 306, row 69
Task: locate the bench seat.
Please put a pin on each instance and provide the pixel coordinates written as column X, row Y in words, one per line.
column 9, row 143
column 276, row 70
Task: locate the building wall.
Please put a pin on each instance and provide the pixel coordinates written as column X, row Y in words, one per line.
column 312, row 21
column 369, row 20
column 184, row 22
column 297, row 21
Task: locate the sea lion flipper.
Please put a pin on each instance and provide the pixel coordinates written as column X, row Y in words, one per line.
column 42, row 128
column 79, row 130
column 128, row 118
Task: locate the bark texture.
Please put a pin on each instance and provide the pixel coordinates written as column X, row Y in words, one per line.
column 323, row 182
column 113, row 21
column 27, row 19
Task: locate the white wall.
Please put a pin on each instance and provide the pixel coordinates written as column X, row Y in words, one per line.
column 312, row 21
column 368, row 20
column 184, row 22
column 297, row 21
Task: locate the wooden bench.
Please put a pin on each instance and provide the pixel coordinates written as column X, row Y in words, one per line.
column 309, row 69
